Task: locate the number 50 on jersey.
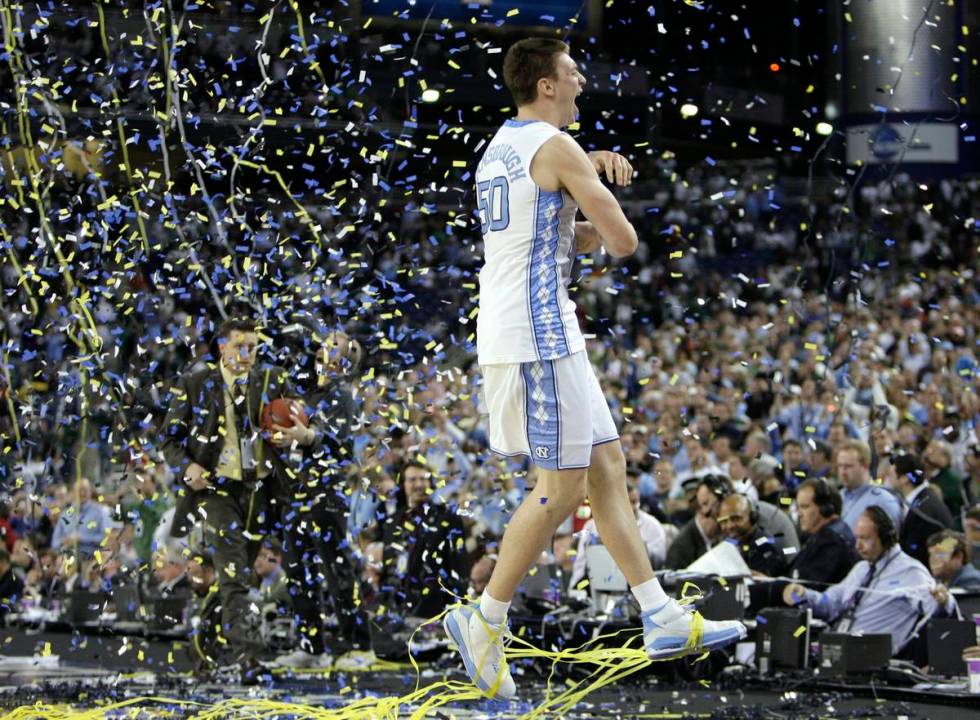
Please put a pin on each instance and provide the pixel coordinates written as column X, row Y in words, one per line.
column 494, row 205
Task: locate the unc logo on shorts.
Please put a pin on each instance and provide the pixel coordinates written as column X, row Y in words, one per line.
column 542, row 452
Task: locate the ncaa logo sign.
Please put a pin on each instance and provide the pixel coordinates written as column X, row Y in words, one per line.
column 541, row 452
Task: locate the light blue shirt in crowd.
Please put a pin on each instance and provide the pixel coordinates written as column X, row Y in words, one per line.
column 858, row 500
column 91, row 522
column 896, row 598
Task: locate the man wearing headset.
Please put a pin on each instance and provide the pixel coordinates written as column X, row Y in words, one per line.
column 703, row 532
column 738, row 519
column 887, row 592
column 828, row 552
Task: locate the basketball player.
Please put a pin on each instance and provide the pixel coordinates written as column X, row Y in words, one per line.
column 543, row 396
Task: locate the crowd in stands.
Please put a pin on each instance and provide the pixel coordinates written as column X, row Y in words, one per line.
column 733, row 401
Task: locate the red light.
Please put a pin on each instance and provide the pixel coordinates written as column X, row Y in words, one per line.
column 774, row 67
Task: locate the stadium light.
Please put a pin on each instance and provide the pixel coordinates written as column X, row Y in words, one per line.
column 430, row 95
column 824, row 128
column 688, row 110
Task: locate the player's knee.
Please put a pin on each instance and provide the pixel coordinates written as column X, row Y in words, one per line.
column 608, row 466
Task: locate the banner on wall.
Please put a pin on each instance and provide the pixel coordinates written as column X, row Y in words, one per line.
column 901, row 142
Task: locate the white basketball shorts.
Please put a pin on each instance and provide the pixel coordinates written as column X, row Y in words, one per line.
column 551, row 410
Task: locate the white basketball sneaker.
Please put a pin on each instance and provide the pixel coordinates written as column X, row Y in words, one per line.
column 672, row 631
column 481, row 645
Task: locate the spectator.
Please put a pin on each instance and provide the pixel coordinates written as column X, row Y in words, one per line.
column 972, row 464
column 480, row 576
column 948, row 563
column 23, row 557
column 721, row 446
column 794, row 469
column 887, row 592
column 144, row 509
column 737, row 519
column 765, row 478
column 702, row 532
column 971, row 527
column 170, row 572
column 8, row 535
column 11, row 586
column 273, row 584
column 84, row 524
column 853, row 467
column 423, row 548
column 828, row 551
column 46, row 579
column 938, row 459
column 699, row 460
column 925, row 512
column 821, row 460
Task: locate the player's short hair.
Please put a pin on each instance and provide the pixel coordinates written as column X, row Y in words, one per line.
column 526, row 62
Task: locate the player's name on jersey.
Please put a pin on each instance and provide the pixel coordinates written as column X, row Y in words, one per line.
column 507, row 155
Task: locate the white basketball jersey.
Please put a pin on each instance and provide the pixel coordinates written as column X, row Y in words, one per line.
column 529, row 245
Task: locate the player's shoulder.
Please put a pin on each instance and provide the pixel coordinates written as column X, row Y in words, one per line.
column 561, row 142
column 562, row 154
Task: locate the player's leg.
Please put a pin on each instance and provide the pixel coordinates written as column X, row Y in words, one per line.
column 669, row 630
column 528, row 411
column 614, row 518
column 479, row 631
column 555, row 496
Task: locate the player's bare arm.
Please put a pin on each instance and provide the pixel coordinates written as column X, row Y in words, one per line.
column 587, row 238
column 561, row 163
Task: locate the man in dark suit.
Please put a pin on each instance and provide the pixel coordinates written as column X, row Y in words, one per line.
column 925, row 511
column 828, row 552
column 701, row 533
column 212, row 442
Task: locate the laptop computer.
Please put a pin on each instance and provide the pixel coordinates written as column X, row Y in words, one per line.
column 126, row 598
column 945, row 642
column 604, row 574
column 84, row 606
column 167, row 613
column 541, row 590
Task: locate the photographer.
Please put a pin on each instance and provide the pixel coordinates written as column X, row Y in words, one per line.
column 316, row 511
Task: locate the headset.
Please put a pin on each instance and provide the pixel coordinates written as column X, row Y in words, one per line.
column 908, row 466
column 887, row 533
column 720, row 485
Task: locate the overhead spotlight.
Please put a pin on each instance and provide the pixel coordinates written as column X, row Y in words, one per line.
column 688, row 110
column 430, row 95
column 824, row 128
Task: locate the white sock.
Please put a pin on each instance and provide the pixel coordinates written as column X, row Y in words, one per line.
column 494, row 611
column 650, row 595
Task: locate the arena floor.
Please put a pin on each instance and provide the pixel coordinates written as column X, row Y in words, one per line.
column 32, row 690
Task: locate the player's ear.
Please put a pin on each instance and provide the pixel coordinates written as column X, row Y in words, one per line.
column 546, row 87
